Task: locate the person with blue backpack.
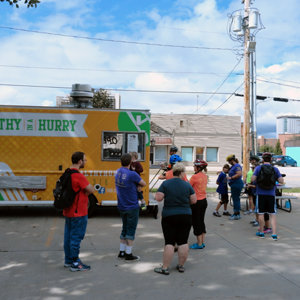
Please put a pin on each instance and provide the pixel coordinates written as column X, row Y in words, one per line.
column 265, row 177
column 173, row 156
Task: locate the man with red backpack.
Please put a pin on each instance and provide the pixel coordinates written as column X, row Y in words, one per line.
column 265, row 177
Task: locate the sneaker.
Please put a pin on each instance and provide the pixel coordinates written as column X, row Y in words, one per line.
column 121, row 254
column 235, row 217
column 79, row 266
column 255, row 224
column 66, row 265
column 180, row 268
column 274, row 237
column 252, row 222
column 216, row 214
column 162, row 271
column 131, row 257
column 260, row 234
column 267, row 230
column 226, row 213
column 196, row 246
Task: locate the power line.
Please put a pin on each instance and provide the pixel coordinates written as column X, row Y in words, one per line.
column 227, row 99
column 115, row 89
column 221, row 83
column 116, row 41
column 114, row 71
column 267, row 81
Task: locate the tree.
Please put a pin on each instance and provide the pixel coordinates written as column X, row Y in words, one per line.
column 278, row 150
column 266, row 148
column 102, row 99
column 30, row 3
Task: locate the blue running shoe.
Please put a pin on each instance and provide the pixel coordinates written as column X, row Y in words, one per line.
column 260, row 234
column 235, row 217
column 196, row 246
column 203, row 245
column 79, row 266
column 274, row 237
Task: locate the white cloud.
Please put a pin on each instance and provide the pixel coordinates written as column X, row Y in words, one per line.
column 199, row 25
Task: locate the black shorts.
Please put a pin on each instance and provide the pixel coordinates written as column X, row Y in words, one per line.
column 176, row 229
column 223, row 198
column 265, row 204
column 250, row 191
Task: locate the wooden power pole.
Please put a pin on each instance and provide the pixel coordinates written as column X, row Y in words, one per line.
column 246, row 126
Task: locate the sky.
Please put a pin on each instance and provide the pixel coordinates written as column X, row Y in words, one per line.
column 182, row 47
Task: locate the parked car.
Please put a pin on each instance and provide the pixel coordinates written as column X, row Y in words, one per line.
column 283, row 160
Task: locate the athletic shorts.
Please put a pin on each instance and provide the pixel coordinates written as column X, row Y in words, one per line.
column 224, row 198
column 176, row 229
column 265, row 204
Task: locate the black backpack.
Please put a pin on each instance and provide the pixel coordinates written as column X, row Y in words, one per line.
column 266, row 178
column 63, row 193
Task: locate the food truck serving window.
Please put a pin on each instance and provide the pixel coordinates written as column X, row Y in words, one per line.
column 114, row 144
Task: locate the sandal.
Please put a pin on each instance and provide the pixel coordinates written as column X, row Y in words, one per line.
column 162, row 271
column 180, row 268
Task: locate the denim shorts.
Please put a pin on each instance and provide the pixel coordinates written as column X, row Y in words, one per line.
column 130, row 220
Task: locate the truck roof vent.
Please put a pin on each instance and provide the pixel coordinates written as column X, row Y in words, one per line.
column 82, row 95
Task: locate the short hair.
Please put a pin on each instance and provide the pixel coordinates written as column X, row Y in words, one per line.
column 178, row 168
column 267, row 158
column 134, row 154
column 76, row 157
column 126, row 160
column 226, row 166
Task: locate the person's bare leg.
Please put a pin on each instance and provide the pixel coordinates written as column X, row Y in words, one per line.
column 200, row 239
column 168, row 255
column 183, row 251
column 261, row 222
column 273, row 222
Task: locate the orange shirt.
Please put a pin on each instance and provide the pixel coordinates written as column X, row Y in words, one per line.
column 199, row 183
column 169, row 175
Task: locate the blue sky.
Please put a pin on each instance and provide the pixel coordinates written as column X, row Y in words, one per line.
column 202, row 23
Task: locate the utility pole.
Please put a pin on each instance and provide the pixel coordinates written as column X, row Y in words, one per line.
column 246, row 126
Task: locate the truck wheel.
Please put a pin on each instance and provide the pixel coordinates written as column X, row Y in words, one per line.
column 295, row 165
column 92, row 205
column 284, row 164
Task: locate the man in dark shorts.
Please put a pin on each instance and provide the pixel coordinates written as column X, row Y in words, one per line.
column 265, row 199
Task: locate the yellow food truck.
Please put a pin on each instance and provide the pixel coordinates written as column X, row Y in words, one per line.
column 36, row 144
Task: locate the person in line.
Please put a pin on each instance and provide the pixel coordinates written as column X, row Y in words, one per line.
column 173, row 156
column 222, row 190
column 236, row 184
column 126, row 182
column 76, row 216
column 169, row 173
column 199, row 183
column 176, row 219
column 137, row 167
column 265, row 199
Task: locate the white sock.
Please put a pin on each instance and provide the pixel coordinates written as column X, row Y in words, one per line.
column 122, row 247
column 128, row 249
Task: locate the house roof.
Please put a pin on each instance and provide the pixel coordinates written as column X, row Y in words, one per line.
column 195, row 124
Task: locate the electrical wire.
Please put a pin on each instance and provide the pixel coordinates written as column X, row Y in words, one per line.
column 116, row 41
column 267, row 81
column 215, row 92
column 227, row 99
column 114, row 71
column 115, row 89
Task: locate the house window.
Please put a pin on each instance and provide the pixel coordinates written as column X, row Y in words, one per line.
column 187, row 153
column 160, row 153
column 181, row 123
column 211, row 154
column 200, row 153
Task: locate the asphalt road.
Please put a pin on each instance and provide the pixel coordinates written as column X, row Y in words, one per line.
column 234, row 265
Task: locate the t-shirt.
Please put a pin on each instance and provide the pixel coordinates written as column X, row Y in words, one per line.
column 169, row 175
column 175, row 158
column 260, row 191
column 137, row 167
column 177, row 194
column 233, row 170
column 79, row 208
column 199, row 183
column 249, row 175
column 126, row 181
column 222, row 184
